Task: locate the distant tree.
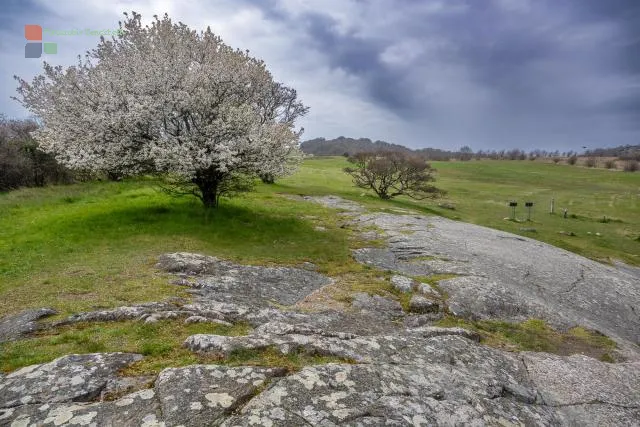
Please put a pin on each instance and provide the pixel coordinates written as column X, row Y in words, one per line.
column 466, row 153
column 631, row 166
column 22, row 163
column 390, row 174
column 166, row 99
column 591, row 162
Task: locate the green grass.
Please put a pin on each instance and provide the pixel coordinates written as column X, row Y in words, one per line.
column 99, row 250
column 480, row 191
column 94, row 245
column 160, row 342
column 536, row 335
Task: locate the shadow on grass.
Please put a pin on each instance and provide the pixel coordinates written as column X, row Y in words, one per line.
column 242, row 230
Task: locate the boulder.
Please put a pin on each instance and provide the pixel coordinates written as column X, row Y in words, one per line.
column 421, row 305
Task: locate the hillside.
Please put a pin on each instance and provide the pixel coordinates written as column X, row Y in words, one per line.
column 342, row 145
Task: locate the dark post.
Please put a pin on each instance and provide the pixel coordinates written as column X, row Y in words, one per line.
column 529, row 205
column 513, row 205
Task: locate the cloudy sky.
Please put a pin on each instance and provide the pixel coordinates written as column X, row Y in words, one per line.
column 486, row 73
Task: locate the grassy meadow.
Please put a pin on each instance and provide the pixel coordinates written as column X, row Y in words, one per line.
column 89, row 246
column 480, row 191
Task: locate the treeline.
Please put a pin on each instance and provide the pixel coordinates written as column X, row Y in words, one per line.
column 343, row 146
column 348, row 147
column 623, row 152
column 22, row 163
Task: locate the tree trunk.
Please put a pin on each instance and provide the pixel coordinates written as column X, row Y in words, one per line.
column 268, row 178
column 209, row 194
column 208, row 182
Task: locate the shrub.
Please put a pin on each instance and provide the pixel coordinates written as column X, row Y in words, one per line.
column 393, row 173
column 22, row 163
column 610, row 164
column 591, row 162
column 631, row 166
column 572, row 160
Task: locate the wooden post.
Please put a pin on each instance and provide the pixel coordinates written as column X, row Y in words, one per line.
column 552, row 206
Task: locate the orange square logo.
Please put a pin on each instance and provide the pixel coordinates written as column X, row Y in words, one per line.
column 33, row 32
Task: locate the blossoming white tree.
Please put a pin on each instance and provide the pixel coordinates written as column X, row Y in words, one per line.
column 166, row 99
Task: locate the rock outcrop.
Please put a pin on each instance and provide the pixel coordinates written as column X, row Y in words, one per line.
column 22, row 324
column 508, row 277
column 391, row 366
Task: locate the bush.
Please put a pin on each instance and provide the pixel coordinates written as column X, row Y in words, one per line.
column 15, row 169
column 631, row 166
column 393, row 173
column 572, row 160
column 556, row 160
column 610, row 164
column 22, row 163
column 591, row 162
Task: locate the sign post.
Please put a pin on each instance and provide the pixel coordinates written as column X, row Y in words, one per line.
column 529, row 205
column 513, row 205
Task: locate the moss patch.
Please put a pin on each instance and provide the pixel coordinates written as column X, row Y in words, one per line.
column 536, row 335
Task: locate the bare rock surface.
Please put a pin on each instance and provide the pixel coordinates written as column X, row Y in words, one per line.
column 422, row 376
column 256, row 286
column 74, row 378
column 376, row 304
column 207, row 394
column 391, row 367
column 506, row 276
column 21, row 324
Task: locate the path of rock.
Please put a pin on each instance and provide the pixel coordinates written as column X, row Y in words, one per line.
column 397, row 370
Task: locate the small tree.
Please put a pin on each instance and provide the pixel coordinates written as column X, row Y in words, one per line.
column 392, row 173
column 631, row 166
column 22, row 163
column 572, row 160
column 169, row 100
column 466, row 153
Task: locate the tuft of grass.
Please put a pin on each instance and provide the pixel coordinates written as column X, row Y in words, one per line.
column 271, row 356
column 537, row 335
column 160, row 342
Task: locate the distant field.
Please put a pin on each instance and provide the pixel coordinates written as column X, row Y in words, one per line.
column 480, row 191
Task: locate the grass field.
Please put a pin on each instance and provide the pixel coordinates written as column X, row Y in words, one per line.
column 94, row 245
column 480, row 191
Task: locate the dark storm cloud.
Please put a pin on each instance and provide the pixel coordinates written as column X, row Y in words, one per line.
column 544, row 64
column 490, row 74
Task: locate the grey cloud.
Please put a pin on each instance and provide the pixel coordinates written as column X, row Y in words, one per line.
column 491, row 74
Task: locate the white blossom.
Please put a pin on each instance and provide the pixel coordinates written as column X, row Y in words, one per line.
column 165, row 98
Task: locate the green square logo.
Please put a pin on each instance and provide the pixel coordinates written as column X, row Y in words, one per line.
column 50, row 48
